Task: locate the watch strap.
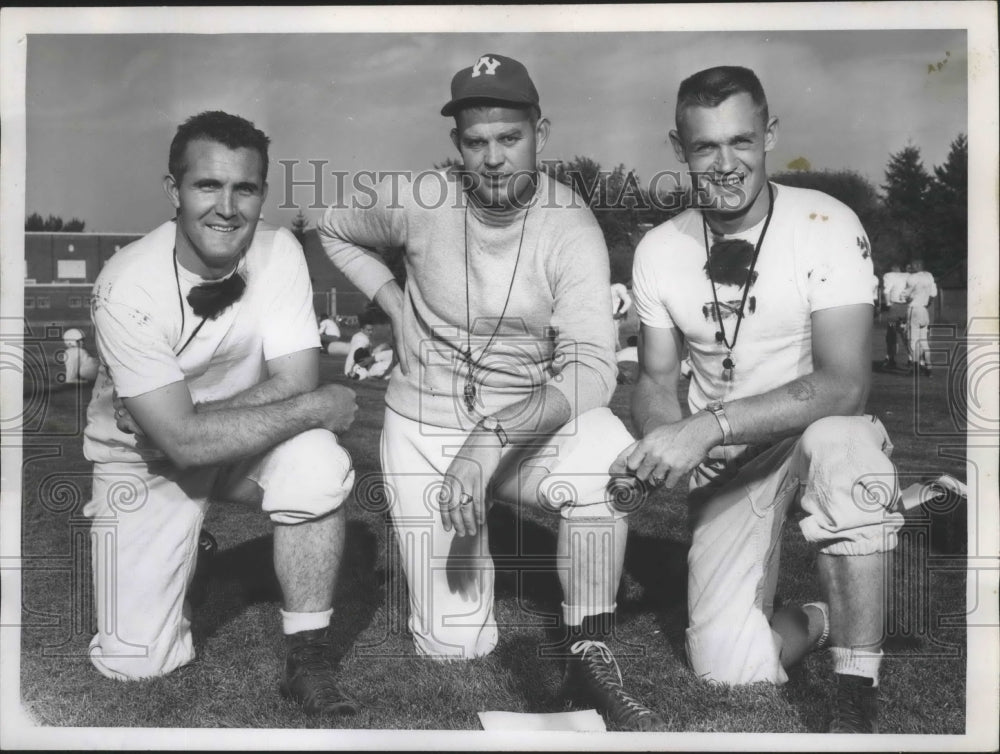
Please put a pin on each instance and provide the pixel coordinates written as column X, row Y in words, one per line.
column 719, row 412
column 492, row 424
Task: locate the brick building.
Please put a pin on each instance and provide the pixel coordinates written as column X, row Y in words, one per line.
column 60, row 270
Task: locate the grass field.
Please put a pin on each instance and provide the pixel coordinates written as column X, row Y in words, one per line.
column 233, row 684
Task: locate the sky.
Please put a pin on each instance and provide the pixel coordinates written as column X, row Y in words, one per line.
column 101, row 109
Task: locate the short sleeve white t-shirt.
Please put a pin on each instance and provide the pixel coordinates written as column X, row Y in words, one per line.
column 815, row 256
column 329, row 328
column 921, row 288
column 148, row 336
column 893, row 285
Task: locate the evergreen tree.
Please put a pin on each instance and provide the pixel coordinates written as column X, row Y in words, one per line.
column 907, row 197
column 907, row 184
column 949, row 210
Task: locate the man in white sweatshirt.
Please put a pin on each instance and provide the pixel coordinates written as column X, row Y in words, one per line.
column 506, row 365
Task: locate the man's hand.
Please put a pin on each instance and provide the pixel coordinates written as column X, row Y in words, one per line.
column 463, row 495
column 670, row 451
column 335, row 405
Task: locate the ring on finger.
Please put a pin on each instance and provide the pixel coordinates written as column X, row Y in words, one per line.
column 464, row 499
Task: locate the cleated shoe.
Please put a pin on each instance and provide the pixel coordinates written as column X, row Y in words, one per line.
column 309, row 675
column 593, row 677
column 856, row 709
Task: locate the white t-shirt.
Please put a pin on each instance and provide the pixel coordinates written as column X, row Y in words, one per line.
column 329, row 328
column 893, row 285
column 815, row 256
column 142, row 321
column 920, row 288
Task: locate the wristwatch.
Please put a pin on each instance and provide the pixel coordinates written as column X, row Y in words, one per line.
column 492, row 424
column 716, row 408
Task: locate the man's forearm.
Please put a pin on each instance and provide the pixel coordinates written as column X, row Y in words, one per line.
column 538, row 415
column 389, row 299
column 349, row 238
column 789, row 409
column 654, row 405
column 224, row 435
column 270, row 391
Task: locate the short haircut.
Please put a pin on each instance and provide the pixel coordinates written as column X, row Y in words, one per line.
column 711, row 87
column 534, row 112
column 231, row 131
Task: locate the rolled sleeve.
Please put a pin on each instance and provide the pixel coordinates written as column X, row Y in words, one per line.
column 136, row 352
column 350, row 237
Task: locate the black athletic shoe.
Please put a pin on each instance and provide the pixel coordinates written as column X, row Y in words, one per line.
column 593, row 677
column 309, row 675
column 207, row 547
column 856, row 709
column 925, row 369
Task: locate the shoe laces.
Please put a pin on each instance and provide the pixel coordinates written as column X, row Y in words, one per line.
column 624, row 709
column 583, row 647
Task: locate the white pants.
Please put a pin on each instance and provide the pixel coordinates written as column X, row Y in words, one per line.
column 451, row 578
column 146, row 521
column 917, row 322
column 839, row 473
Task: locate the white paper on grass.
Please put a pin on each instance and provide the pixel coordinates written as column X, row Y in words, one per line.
column 580, row 721
column 921, row 493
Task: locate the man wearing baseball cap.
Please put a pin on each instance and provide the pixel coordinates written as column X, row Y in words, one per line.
column 506, row 365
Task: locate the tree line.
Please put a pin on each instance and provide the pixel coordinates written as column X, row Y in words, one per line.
column 53, row 224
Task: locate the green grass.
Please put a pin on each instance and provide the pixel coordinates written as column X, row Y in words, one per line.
column 233, row 684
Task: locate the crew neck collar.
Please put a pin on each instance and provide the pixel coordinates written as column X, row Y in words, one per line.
column 195, row 279
column 754, row 229
column 503, row 215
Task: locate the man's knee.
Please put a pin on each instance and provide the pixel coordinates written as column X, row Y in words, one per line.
column 735, row 654
column 123, row 661
column 851, row 489
column 456, row 642
column 579, row 484
column 861, row 440
column 306, row 477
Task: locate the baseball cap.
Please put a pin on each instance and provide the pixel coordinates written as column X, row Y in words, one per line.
column 494, row 77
